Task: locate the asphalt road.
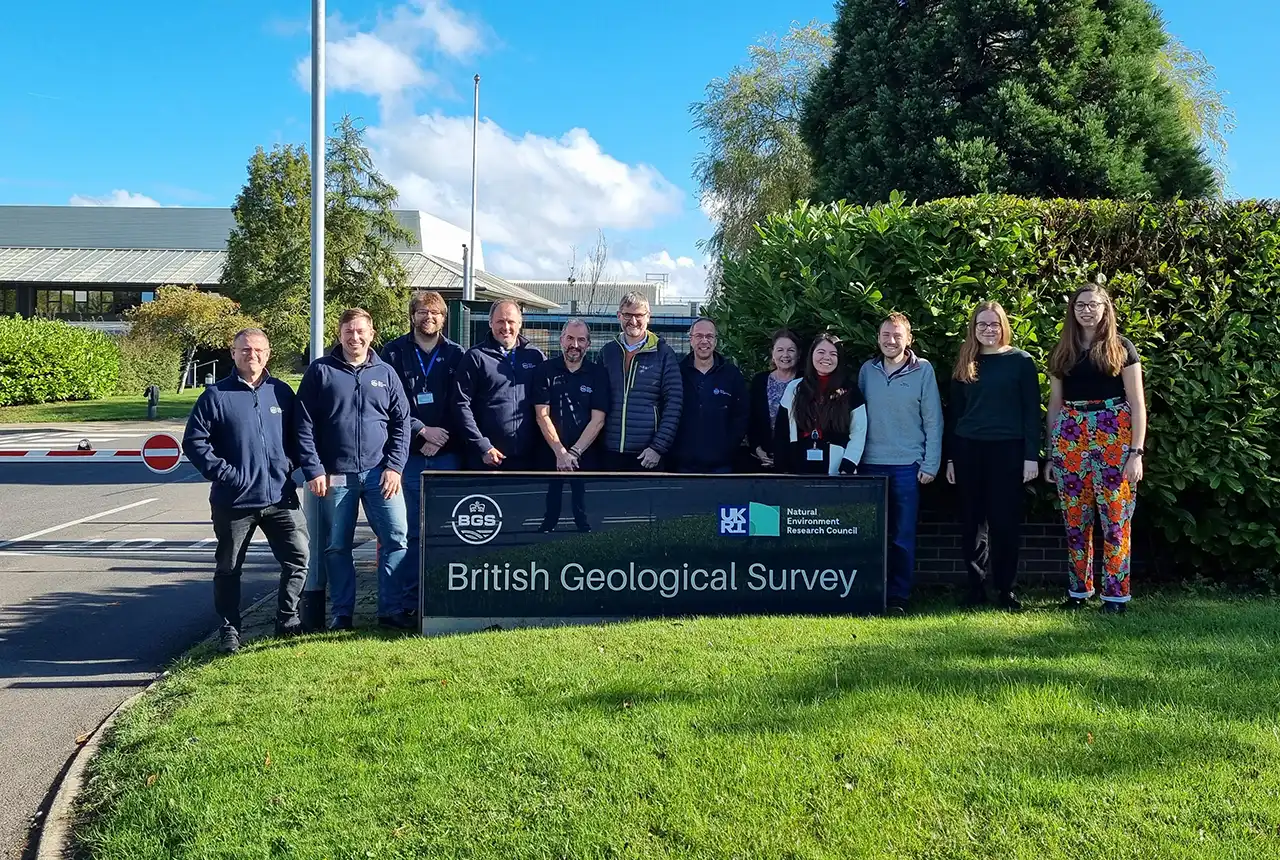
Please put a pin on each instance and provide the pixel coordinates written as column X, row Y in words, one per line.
column 105, row 575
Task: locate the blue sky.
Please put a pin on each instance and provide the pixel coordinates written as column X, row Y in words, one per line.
column 585, row 107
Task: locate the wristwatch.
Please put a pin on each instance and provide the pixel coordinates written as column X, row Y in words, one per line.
column 1133, row 451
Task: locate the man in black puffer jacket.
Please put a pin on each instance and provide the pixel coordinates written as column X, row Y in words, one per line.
column 646, row 392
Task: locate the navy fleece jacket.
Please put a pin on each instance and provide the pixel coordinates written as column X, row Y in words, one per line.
column 241, row 439
column 495, row 399
column 713, row 417
column 439, row 387
column 351, row 419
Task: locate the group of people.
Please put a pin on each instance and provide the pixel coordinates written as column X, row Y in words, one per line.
column 363, row 427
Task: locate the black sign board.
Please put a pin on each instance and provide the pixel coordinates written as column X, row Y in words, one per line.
column 658, row 545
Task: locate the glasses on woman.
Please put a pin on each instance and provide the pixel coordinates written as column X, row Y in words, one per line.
column 1090, row 306
column 987, row 326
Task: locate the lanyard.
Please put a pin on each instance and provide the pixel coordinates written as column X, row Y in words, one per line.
column 426, row 368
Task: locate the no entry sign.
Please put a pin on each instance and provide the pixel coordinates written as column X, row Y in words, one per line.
column 161, row 453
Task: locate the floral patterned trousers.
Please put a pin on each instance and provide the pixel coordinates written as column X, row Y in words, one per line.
column 1089, row 447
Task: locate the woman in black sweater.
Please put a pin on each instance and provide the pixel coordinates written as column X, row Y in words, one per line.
column 993, row 424
column 766, row 395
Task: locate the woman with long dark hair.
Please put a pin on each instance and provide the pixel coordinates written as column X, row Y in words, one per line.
column 822, row 420
column 766, row 395
column 1097, row 427
column 994, row 442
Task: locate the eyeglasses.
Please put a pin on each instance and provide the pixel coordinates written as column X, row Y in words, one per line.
column 986, row 326
column 427, row 313
column 1090, row 306
column 640, row 317
column 702, row 337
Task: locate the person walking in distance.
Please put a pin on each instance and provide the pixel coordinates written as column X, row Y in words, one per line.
column 352, row 423
column 713, row 414
column 426, row 362
column 1097, row 428
column 766, row 394
column 822, row 419
column 239, row 436
column 494, row 404
column 570, row 400
column 645, row 389
column 994, row 445
column 904, row 442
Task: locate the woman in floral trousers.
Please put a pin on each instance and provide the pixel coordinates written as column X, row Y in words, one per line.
column 1097, row 427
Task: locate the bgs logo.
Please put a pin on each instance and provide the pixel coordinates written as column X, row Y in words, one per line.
column 477, row 520
column 377, row 383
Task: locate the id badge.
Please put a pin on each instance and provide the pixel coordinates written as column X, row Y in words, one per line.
column 426, row 398
column 814, row 454
column 337, row 480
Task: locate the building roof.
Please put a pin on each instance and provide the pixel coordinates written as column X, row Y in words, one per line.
column 603, row 297
column 130, row 266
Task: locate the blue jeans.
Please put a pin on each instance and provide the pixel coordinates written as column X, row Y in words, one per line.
column 904, row 508
column 387, row 519
column 406, row 588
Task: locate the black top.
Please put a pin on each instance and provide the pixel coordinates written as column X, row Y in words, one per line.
column 713, row 417
column 572, row 395
column 1086, row 381
column 429, row 383
column 1003, row 404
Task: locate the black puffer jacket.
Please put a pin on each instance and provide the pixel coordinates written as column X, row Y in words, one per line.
column 646, row 395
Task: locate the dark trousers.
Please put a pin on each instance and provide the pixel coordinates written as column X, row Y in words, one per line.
column 989, row 478
column 615, row 462
column 577, row 494
column 286, row 534
column 904, row 508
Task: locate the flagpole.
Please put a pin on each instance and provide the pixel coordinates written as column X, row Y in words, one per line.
column 469, row 279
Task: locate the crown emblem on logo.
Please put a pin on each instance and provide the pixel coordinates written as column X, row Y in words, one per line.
column 477, row 507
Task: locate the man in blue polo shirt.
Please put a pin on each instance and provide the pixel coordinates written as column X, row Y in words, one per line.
column 239, row 436
column 426, row 362
column 494, row 406
column 352, row 422
column 570, row 400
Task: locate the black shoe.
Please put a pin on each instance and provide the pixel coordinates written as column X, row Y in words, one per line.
column 584, row 526
column 229, row 640
column 547, row 528
column 340, row 622
column 1073, row 603
column 399, row 621
column 1009, row 601
column 288, row 631
column 895, row 606
column 1110, row 607
column 975, row 598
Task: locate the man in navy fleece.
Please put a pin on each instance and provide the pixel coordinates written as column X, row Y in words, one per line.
column 352, row 422
column 239, row 437
column 495, row 395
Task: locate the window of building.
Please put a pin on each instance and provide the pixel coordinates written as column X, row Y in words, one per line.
column 8, row 302
column 85, row 304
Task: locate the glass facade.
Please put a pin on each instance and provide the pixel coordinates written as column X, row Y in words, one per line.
column 87, row 304
column 8, row 302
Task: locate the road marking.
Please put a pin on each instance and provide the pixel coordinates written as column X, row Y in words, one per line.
column 59, row 528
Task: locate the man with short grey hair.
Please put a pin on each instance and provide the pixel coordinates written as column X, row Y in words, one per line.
column 239, row 436
column 645, row 391
column 570, row 397
column 493, row 403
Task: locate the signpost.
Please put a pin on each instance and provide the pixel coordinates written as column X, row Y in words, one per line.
column 659, row 545
column 161, row 453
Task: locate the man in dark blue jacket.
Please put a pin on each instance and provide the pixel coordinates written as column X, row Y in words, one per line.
column 352, row 422
column 426, row 361
column 494, row 396
column 713, row 418
column 645, row 392
column 239, row 437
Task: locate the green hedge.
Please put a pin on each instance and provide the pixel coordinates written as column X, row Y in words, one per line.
column 144, row 361
column 1197, row 288
column 42, row 361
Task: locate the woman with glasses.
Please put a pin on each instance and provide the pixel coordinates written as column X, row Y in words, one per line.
column 1097, row 427
column 766, row 395
column 822, row 420
column 993, row 436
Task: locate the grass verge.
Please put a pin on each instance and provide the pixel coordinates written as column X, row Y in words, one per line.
column 943, row 735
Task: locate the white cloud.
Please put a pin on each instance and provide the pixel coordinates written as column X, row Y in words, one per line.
column 118, row 197
column 436, row 25
column 686, row 278
column 363, row 63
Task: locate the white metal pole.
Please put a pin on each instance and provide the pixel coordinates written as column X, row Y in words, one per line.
column 313, row 598
column 469, row 279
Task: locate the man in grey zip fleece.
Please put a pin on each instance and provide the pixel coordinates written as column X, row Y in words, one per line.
column 904, row 442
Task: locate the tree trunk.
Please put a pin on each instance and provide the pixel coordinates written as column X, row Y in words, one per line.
column 186, row 368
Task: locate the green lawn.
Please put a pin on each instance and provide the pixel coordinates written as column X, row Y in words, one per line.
column 946, row 735
column 118, row 407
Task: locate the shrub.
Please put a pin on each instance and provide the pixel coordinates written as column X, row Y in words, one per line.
column 146, row 361
column 48, row 360
column 1196, row 286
